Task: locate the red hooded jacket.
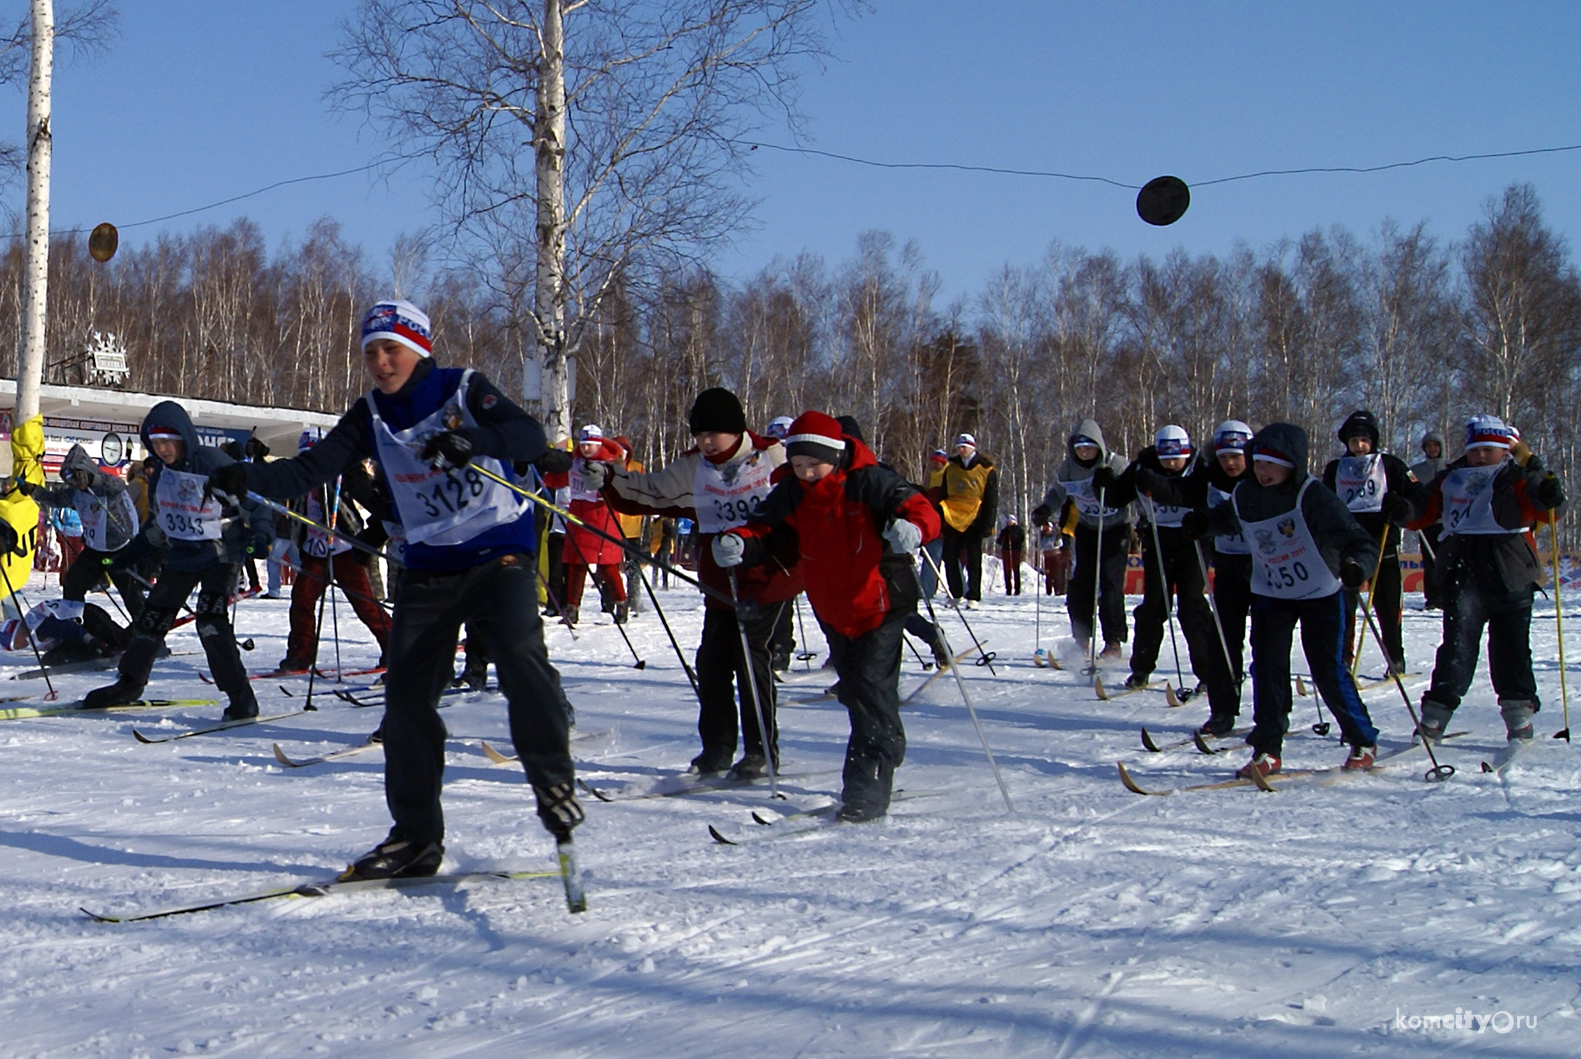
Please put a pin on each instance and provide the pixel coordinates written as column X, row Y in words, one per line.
column 853, row 579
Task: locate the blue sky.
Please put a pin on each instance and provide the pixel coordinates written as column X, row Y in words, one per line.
column 203, row 99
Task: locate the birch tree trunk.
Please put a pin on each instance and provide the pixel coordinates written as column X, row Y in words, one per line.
column 30, row 369
column 554, row 396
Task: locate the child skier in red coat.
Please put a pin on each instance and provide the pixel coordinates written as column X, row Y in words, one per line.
column 583, row 547
column 857, row 527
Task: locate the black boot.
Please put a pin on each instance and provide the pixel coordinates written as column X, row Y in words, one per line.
column 558, row 809
column 865, row 797
column 396, row 858
column 243, row 707
column 123, row 691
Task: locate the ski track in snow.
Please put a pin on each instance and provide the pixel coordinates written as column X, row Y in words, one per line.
column 1093, row 923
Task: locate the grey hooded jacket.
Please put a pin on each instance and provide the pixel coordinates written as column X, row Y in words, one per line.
column 1073, row 470
column 105, row 491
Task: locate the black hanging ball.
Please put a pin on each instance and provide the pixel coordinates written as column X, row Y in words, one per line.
column 103, row 241
column 1163, row 200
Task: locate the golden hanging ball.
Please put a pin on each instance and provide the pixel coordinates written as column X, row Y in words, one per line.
column 103, row 241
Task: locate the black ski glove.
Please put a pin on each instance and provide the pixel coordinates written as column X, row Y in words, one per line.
column 8, row 537
column 553, row 461
column 448, row 450
column 1103, row 477
column 1147, row 480
column 1194, row 524
column 25, row 487
column 1550, row 492
column 1351, row 574
column 1395, row 508
column 1041, row 514
column 230, row 479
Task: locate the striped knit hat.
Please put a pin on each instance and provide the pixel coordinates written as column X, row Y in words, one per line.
column 1489, row 432
column 400, row 320
column 817, row 435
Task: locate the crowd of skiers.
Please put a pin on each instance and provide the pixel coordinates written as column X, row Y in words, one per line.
column 1285, row 548
column 438, row 470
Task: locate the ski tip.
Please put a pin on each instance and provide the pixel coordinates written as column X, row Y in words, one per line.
column 1097, row 687
column 719, row 838
column 1130, row 784
column 141, row 738
column 1148, row 744
column 279, row 755
column 497, row 757
column 1170, row 696
column 1202, row 744
column 96, row 917
column 1261, row 782
column 1486, row 767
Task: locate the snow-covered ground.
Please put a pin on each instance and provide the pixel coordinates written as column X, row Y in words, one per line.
column 1317, row 921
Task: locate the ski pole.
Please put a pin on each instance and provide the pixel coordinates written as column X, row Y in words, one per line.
column 971, row 711
column 619, row 542
column 640, row 662
column 1320, row 727
column 926, row 666
column 1559, row 625
column 1213, row 605
column 22, row 617
column 1372, row 586
column 330, row 583
column 654, row 599
column 1097, row 580
column 985, row 658
column 770, row 750
column 804, row 655
column 345, row 538
column 1163, row 584
column 1438, row 773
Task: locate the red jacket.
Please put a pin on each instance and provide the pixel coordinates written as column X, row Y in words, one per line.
column 853, row 579
column 581, row 545
column 669, row 493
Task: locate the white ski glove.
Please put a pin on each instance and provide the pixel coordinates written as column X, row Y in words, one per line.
column 729, row 550
column 903, row 536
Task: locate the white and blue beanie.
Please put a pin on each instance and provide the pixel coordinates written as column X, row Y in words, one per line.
column 1172, row 441
column 400, row 320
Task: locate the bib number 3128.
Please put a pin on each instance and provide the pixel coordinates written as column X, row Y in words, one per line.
column 452, row 493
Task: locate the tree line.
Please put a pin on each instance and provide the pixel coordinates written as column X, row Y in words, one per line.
column 1421, row 330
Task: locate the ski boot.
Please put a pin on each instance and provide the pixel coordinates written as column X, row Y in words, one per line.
column 1266, row 764
column 1361, row 758
column 123, row 691
column 396, row 858
column 1518, row 715
column 1435, row 718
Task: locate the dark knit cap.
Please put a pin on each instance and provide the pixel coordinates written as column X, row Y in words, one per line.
column 717, row 411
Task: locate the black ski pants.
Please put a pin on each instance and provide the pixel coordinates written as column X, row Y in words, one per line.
column 214, row 583
column 498, row 601
column 1467, row 611
column 963, row 547
column 1232, row 597
column 1430, row 591
column 869, row 671
column 1273, row 627
column 1110, row 569
column 721, row 670
column 83, row 577
column 1182, row 573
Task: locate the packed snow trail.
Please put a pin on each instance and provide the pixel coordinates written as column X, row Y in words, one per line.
column 1094, row 923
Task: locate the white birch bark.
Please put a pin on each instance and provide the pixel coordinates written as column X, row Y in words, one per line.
column 30, row 366
column 554, row 396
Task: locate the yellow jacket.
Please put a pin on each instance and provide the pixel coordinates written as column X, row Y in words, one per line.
column 27, row 452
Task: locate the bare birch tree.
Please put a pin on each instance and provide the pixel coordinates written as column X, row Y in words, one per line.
column 593, row 138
